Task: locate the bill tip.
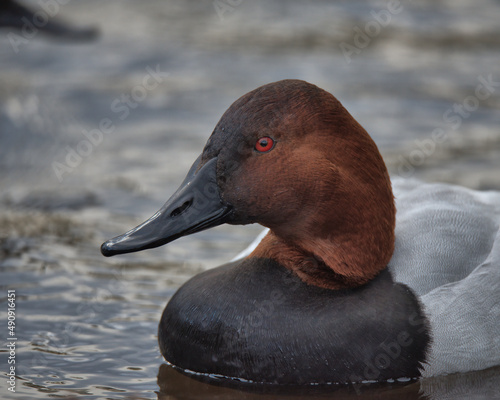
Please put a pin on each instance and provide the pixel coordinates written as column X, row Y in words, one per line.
column 106, row 249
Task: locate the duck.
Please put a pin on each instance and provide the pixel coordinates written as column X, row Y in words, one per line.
column 19, row 17
column 340, row 288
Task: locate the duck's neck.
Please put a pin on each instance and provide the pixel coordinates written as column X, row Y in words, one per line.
column 356, row 248
column 339, row 265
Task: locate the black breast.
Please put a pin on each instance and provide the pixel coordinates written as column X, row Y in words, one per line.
column 255, row 320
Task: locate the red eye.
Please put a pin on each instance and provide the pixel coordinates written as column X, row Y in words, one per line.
column 264, row 144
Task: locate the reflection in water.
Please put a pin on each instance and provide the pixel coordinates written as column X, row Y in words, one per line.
column 474, row 385
column 175, row 385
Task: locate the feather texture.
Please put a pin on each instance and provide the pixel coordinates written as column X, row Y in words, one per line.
column 448, row 252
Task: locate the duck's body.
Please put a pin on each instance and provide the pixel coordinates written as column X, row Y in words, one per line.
column 447, row 253
column 319, row 300
column 255, row 320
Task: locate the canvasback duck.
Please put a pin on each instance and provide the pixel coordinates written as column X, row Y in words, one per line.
column 338, row 290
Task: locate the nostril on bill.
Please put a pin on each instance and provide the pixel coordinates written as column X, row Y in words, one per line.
column 181, row 209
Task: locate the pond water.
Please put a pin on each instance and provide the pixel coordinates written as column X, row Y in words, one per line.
column 95, row 136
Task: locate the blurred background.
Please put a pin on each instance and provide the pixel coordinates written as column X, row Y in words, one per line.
column 101, row 117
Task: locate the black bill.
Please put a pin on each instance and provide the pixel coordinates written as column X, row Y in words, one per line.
column 195, row 206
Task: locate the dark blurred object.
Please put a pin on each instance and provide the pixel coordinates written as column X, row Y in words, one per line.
column 22, row 18
column 177, row 386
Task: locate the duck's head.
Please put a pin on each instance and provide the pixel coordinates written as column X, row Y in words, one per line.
column 289, row 156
